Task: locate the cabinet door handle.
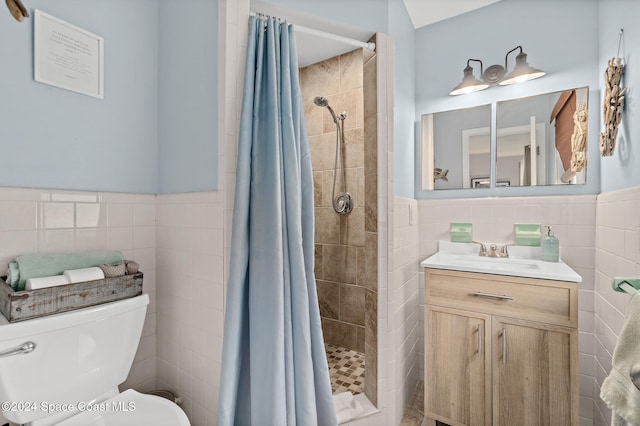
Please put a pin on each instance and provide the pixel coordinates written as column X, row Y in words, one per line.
column 492, row 296
column 504, row 345
column 480, row 339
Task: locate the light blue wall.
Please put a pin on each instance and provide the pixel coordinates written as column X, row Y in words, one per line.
column 156, row 129
column 622, row 170
column 560, row 37
column 401, row 29
column 54, row 138
column 187, row 90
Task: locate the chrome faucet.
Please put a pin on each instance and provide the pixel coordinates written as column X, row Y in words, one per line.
column 493, row 250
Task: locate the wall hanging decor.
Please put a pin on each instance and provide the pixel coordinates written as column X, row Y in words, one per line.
column 579, row 138
column 613, row 102
column 17, row 9
column 67, row 56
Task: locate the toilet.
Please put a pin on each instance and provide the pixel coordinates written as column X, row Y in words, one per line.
column 65, row 369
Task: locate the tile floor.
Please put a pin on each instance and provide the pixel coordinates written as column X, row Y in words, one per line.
column 346, row 368
column 414, row 414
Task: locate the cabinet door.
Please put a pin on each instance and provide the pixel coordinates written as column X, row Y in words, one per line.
column 534, row 374
column 457, row 367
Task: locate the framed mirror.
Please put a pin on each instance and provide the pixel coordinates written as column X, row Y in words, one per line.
column 542, row 140
column 456, row 148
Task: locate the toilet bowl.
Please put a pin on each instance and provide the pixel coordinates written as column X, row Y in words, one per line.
column 65, row 369
column 130, row 408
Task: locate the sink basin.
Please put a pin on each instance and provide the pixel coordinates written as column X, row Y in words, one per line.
column 493, row 263
column 458, row 257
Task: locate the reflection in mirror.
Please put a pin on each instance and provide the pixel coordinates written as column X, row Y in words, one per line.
column 541, row 140
column 456, row 148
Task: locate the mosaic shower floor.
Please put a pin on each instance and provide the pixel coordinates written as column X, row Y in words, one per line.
column 346, row 368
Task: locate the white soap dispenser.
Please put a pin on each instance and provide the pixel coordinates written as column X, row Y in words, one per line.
column 550, row 247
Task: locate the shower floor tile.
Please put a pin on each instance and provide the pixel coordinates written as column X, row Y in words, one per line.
column 346, row 368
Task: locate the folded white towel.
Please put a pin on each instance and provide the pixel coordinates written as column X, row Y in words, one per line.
column 618, row 390
column 84, row 274
column 347, row 414
column 346, row 407
column 43, row 282
column 342, row 401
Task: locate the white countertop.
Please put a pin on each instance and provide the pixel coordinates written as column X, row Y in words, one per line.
column 522, row 262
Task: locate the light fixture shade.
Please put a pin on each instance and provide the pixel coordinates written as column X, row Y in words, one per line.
column 469, row 83
column 522, row 71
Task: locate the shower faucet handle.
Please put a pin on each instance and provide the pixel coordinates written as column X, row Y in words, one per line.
column 343, row 203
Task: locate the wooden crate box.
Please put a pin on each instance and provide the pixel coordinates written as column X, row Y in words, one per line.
column 22, row 305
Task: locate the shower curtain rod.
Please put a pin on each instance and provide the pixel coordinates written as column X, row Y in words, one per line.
column 311, row 31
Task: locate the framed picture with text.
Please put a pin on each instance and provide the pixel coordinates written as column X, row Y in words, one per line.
column 67, row 56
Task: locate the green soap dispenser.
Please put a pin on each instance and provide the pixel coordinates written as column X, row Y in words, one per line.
column 550, row 247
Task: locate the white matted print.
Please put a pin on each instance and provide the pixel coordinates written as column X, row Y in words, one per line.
column 68, row 57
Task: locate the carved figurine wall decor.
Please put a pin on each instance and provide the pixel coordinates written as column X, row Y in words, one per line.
column 17, row 9
column 579, row 137
column 613, row 103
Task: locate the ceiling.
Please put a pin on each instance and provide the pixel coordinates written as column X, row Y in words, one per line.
column 312, row 49
column 425, row 12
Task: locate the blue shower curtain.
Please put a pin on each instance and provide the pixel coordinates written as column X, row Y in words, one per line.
column 274, row 367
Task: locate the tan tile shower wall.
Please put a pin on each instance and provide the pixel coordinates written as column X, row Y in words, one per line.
column 340, row 239
column 370, row 77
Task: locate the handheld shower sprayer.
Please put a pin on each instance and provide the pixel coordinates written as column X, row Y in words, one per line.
column 343, row 202
column 321, row 101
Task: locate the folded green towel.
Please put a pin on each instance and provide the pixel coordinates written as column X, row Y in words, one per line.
column 13, row 275
column 37, row 265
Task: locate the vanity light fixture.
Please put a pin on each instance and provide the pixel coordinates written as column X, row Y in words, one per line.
column 495, row 74
column 469, row 82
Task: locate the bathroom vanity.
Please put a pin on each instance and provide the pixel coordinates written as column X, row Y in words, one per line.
column 500, row 349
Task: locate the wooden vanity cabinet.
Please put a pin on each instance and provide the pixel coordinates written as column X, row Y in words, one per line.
column 458, row 366
column 500, row 350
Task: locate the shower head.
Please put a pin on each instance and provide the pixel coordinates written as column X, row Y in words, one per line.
column 321, row 101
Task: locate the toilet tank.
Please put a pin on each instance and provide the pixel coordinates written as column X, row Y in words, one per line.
column 78, row 356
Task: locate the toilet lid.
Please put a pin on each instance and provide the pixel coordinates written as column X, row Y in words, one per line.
column 130, row 408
